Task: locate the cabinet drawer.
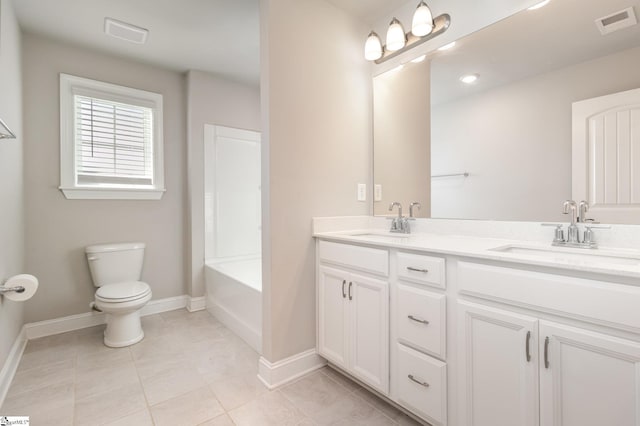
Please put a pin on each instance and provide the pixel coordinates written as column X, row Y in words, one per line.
column 601, row 302
column 421, row 319
column 421, row 269
column 362, row 258
column 422, row 385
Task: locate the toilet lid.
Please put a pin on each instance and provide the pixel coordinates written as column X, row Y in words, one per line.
column 122, row 291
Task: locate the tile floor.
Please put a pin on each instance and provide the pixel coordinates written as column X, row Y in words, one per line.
column 189, row 370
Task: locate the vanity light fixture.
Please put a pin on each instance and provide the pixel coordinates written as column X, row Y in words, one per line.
column 373, row 47
column 543, row 3
column 396, row 38
column 422, row 23
column 5, row 132
column 469, row 78
column 424, row 27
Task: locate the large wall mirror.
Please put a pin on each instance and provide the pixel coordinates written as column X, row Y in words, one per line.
column 500, row 148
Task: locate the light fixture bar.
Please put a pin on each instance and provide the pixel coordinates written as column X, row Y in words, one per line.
column 440, row 25
column 5, row 132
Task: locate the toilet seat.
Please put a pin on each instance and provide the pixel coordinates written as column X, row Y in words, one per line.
column 123, row 292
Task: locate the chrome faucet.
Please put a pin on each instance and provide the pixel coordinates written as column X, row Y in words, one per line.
column 570, row 207
column 414, row 204
column 399, row 224
column 582, row 212
column 578, row 215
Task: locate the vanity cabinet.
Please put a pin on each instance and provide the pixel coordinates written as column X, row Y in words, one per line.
column 498, row 375
column 353, row 316
column 520, row 369
column 591, row 379
column 418, row 322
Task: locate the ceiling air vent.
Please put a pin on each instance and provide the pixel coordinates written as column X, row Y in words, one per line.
column 616, row 21
column 124, row 31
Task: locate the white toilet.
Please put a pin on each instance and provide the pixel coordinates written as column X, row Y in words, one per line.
column 116, row 270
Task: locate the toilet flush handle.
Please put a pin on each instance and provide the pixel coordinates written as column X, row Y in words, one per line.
column 92, row 258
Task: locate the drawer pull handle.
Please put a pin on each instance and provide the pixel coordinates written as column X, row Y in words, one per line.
column 421, row 321
column 527, row 346
column 344, row 295
column 413, row 379
column 546, row 352
column 411, row 268
column 350, row 284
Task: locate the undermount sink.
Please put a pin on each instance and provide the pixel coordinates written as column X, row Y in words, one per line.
column 573, row 255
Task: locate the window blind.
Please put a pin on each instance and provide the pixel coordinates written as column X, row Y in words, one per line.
column 114, row 142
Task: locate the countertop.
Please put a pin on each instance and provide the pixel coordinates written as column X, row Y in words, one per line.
column 603, row 260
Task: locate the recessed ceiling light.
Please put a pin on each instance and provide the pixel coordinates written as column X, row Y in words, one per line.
column 124, row 31
column 419, row 59
column 447, row 46
column 469, row 78
column 539, row 5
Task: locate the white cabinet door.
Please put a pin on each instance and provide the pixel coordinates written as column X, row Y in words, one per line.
column 332, row 315
column 369, row 319
column 589, row 379
column 498, row 376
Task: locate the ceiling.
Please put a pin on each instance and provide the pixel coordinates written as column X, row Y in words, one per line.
column 530, row 43
column 369, row 11
column 218, row 36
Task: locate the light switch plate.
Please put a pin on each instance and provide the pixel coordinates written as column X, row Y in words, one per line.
column 378, row 192
column 362, row 192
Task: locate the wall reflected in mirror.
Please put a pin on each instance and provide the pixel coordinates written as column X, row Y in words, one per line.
column 510, row 130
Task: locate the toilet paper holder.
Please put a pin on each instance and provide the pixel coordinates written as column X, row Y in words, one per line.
column 17, row 289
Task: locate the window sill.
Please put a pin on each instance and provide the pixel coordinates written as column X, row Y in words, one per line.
column 106, row 193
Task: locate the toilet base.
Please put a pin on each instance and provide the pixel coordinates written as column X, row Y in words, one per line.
column 123, row 330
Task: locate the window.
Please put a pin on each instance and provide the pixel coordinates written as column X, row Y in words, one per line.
column 110, row 141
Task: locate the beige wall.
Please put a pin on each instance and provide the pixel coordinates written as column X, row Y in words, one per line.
column 316, row 97
column 11, row 175
column 57, row 229
column 515, row 141
column 211, row 100
column 401, row 134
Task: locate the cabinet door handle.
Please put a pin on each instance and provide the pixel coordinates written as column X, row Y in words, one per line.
column 350, row 284
column 411, row 268
column 546, row 352
column 412, row 318
column 527, row 346
column 344, row 295
column 413, row 379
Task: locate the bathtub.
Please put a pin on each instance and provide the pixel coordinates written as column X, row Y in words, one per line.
column 234, row 296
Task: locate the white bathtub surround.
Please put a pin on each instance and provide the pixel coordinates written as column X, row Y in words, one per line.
column 234, row 296
column 232, row 205
column 281, row 372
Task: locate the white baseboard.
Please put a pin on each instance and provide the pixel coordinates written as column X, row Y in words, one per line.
column 196, row 303
column 284, row 371
column 235, row 324
column 11, row 364
column 38, row 329
column 165, row 305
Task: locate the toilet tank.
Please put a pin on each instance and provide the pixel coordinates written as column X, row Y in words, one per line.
column 116, row 262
